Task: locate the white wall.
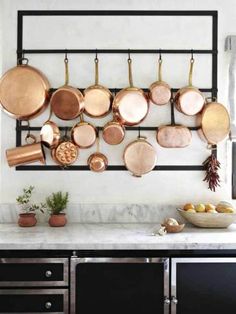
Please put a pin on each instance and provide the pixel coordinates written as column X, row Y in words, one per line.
column 111, row 187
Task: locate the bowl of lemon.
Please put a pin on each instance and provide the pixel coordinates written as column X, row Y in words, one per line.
column 221, row 215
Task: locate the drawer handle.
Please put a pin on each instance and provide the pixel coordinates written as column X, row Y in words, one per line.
column 48, row 273
column 48, row 305
column 174, row 300
column 166, row 300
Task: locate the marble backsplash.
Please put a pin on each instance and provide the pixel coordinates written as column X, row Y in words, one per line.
column 102, row 213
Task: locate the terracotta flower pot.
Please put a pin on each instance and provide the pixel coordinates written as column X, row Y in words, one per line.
column 58, row 220
column 27, row 220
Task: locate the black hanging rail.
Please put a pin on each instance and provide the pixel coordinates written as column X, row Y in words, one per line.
column 213, row 90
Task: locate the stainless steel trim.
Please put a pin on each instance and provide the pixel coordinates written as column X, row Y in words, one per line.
column 75, row 261
column 41, row 283
column 64, row 292
column 176, row 261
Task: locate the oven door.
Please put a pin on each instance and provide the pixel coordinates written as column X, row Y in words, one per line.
column 119, row 285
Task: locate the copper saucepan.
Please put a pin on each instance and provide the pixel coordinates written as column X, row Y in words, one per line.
column 173, row 136
column 214, row 121
column 83, row 134
column 130, row 104
column 66, row 153
column 24, row 91
column 67, row 102
column 113, row 132
column 50, row 133
column 189, row 100
column 140, row 157
column 26, row 154
column 97, row 98
column 97, row 162
column 159, row 91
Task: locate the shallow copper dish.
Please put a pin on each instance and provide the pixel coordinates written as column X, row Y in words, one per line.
column 66, row 153
column 24, row 92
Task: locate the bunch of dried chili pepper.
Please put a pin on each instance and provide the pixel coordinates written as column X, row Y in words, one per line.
column 212, row 167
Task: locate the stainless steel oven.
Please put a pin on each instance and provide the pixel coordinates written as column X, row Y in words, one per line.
column 119, row 285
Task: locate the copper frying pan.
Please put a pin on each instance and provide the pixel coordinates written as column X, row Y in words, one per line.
column 24, row 91
column 215, row 123
column 83, row 134
column 189, row 100
column 140, row 157
column 50, row 133
column 97, row 98
column 159, row 91
column 67, row 102
column 113, row 132
column 173, row 136
column 97, row 162
column 130, row 104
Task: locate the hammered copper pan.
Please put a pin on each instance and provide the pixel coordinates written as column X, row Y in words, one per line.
column 26, row 154
column 97, row 98
column 214, row 121
column 24, row 91
column 130, row 104
column 97, row 162
column 159, row 91
column 84, row 134
column 140, row 157
column 189, row 100
column 67, row 102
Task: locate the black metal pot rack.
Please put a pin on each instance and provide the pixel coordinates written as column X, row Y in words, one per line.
column 213, row 90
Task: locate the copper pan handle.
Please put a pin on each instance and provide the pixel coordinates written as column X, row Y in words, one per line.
column 96, row 61
column 190, row 77
column 130, row 72
column 66, row 62
column 160, row 68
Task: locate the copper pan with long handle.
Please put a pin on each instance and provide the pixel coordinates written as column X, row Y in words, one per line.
column 130, row 104
column 97, row 98
column 214, row 122
column 50, row 133
column 67, row 102
column 24, row 91
column 97, row 162
column 189, row 100
column 159, row 91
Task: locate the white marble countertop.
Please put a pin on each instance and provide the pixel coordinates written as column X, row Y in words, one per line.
column 113, row 237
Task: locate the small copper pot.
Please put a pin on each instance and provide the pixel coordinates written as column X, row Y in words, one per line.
column 97, row 162
column 67, row 102
column 159, row 91
column 130, row 104
column 26, row 154
column 97, row 98
column 189, row 100
column 83, row 134
column 113, row 132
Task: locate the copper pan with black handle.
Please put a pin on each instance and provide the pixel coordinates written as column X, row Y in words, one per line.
column 67, row 102
column 130, row 105
column 24, row 91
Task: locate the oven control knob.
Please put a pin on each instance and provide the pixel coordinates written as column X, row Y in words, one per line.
column 174, row 300
column 166, row 300
column 48, row 305
column 48, row 273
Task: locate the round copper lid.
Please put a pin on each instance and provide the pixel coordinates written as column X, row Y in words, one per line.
column 84, row 134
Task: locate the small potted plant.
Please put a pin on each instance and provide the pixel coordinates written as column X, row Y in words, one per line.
column 57, row 203
column 27, row 209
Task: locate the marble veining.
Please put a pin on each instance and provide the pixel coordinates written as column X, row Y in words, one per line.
column 113, row 236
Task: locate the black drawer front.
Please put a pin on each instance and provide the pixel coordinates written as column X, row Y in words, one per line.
column 30, row 272
column 33, row 301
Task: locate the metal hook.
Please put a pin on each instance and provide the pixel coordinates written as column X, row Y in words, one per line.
column 139, row 132
column 129, row 57
column 192, row 58
column 66, row 58
column 160, row 56
column 96, row 55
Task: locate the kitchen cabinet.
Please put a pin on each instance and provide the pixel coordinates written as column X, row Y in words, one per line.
column 119, row 285
column 203, row 285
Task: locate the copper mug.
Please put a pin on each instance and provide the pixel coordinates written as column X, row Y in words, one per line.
column 26, row 154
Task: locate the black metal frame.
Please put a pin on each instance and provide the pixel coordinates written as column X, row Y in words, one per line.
column 213, row 90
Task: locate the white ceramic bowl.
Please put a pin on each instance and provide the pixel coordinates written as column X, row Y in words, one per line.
column 208, row 220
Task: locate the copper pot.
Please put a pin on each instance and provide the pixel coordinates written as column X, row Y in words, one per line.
column 159, row 91
column 140, row 157
column 214, row 121
column 26, row 154
column 97, row 98
column 113, row 132
column 50, row 133
column 97, row 162
column 67, row 102
column 189, row 100
column 130, row 104
column 84, row 134
column 24, row 91
column 66, row 153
